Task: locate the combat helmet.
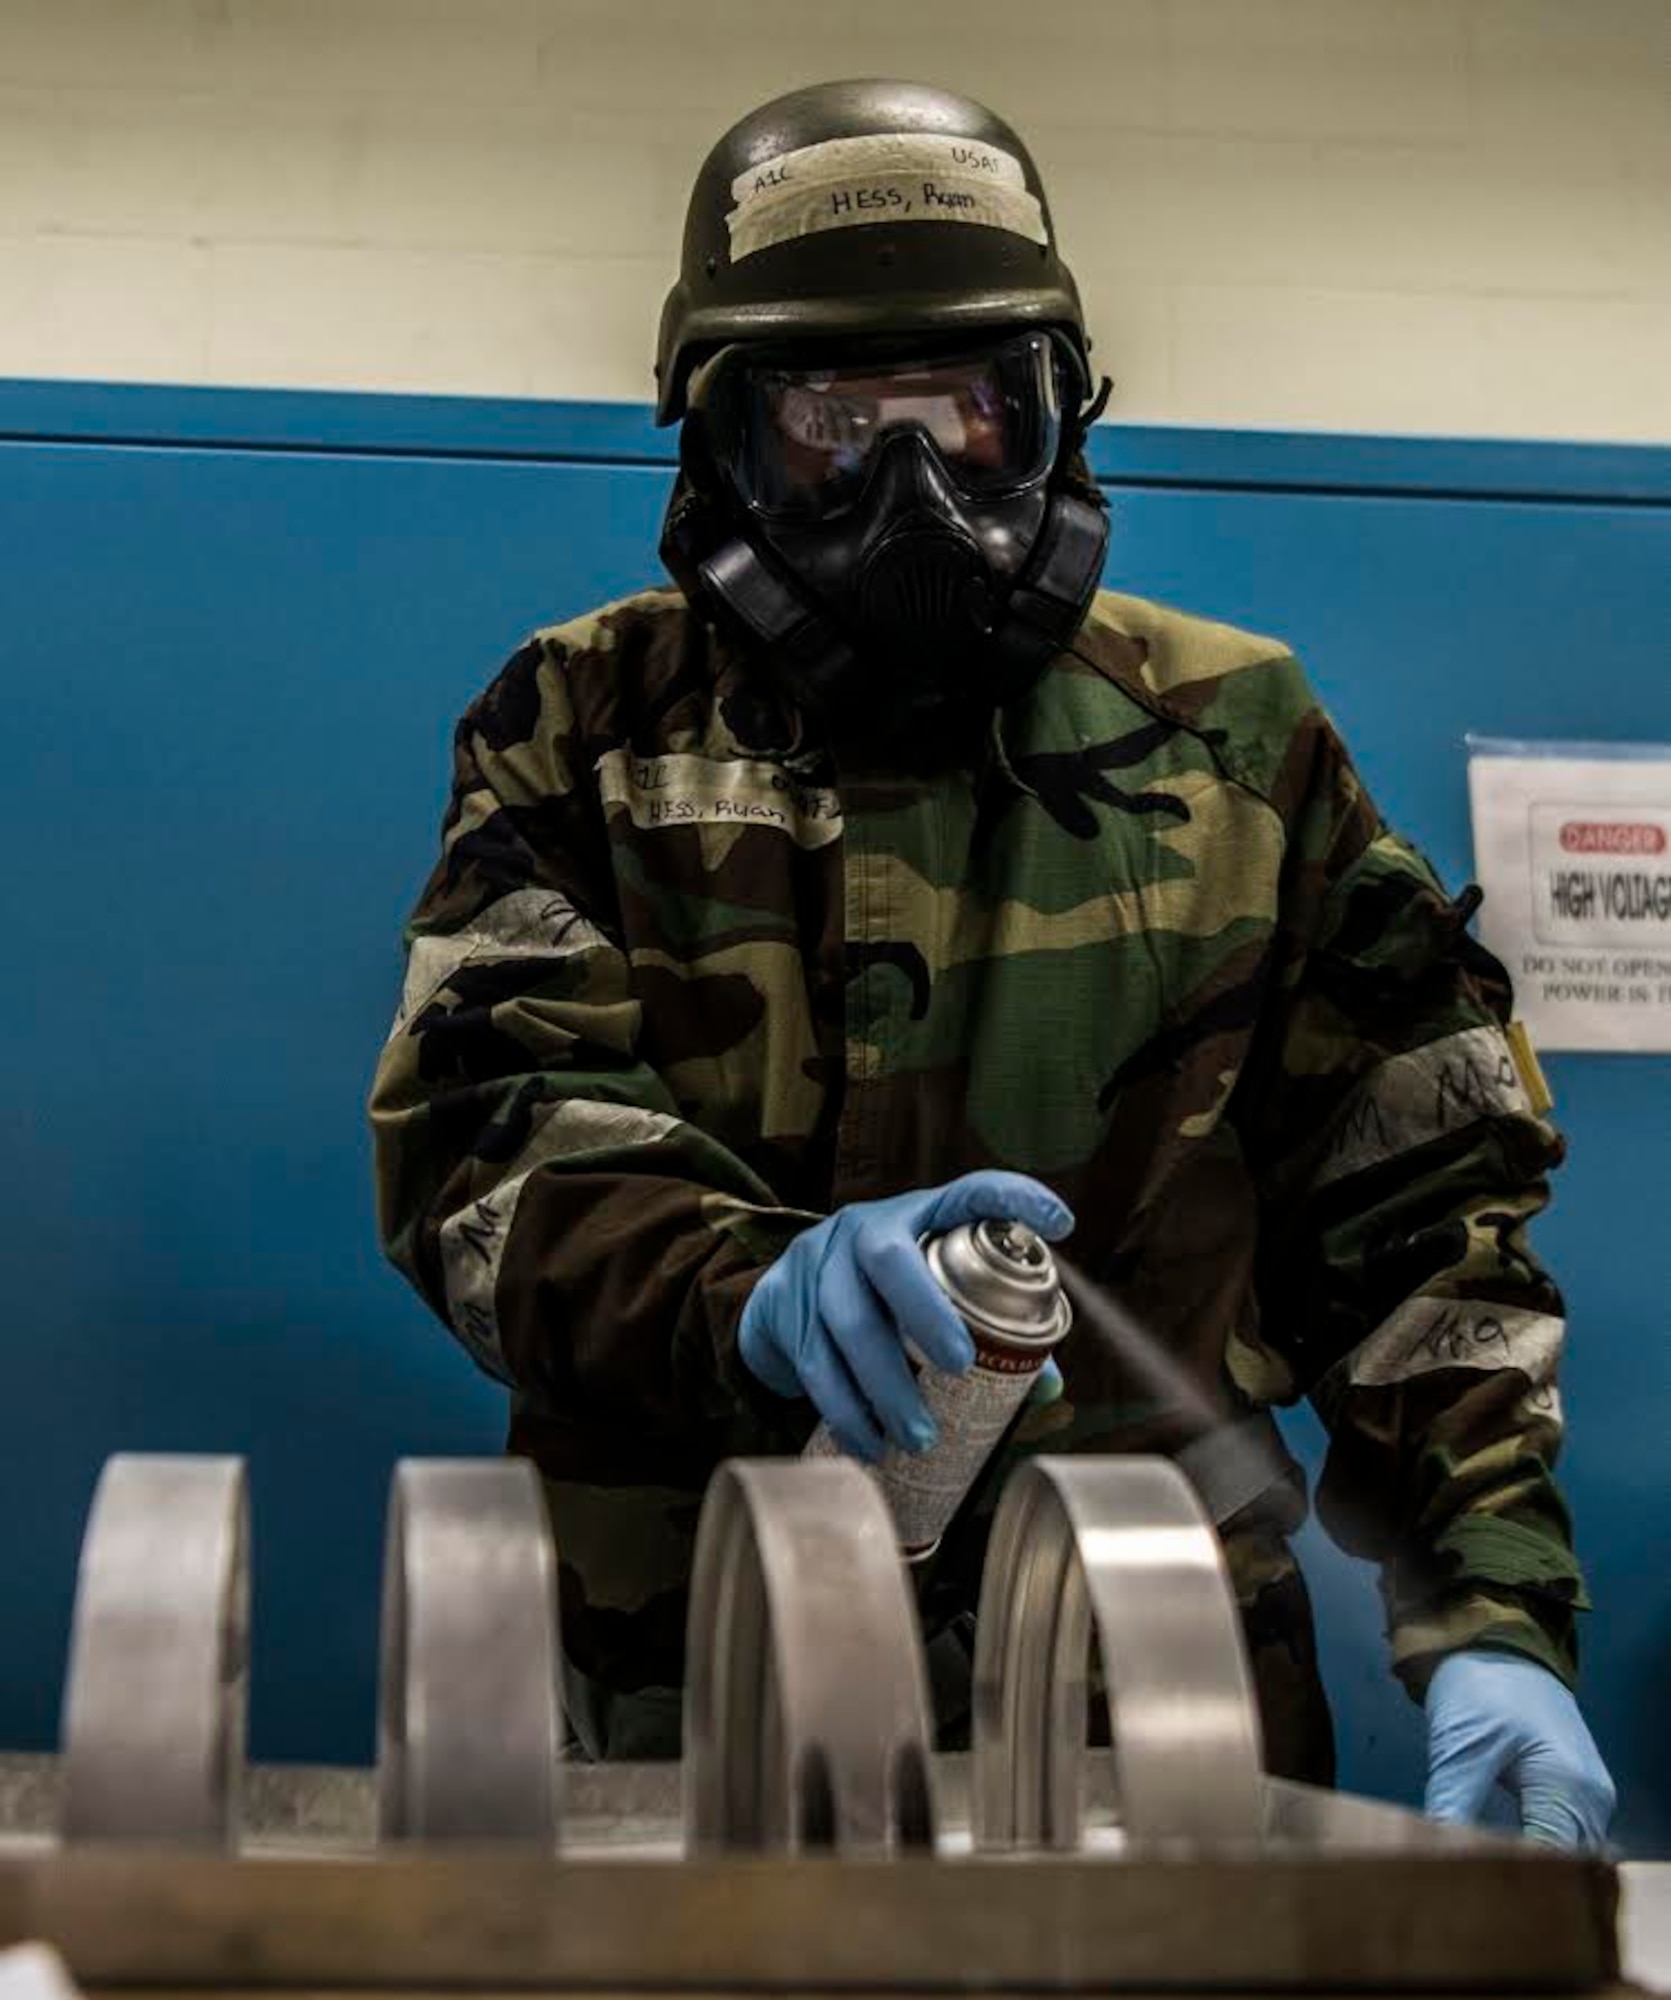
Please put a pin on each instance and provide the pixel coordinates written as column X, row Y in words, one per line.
column 815, row 216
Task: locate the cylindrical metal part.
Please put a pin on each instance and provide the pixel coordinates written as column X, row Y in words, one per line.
column 806, row 1701
column 470, row 1708
column 1002, row 1279
column 154, row 1702
column 1123, row 1548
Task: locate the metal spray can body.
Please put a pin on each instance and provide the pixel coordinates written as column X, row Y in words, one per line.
column 1002, row 1279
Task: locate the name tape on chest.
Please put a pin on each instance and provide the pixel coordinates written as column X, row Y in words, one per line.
column 890, row 177
column 682, row 789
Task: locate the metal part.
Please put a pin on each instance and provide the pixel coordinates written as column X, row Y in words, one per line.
column 807, row 1728
column 1645, row 1923
column 1498, row 1919
column 35, row 1972
column 1120, row 1546
column 1002, row 1279
column 154, row 1703
column 636, row 1810
column 470, row 1717
column 806, row 1705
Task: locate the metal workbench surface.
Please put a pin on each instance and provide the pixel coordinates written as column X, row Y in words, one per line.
column 1338, row 1894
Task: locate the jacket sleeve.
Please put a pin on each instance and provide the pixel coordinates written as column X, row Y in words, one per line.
column 1401, row 1153
column 535, row 1181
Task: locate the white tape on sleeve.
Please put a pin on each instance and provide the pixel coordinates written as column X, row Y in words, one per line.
column 1427, row 1333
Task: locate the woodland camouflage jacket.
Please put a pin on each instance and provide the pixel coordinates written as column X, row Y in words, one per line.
column 677, row 987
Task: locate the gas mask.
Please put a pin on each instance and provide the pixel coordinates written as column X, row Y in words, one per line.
column 897, row 537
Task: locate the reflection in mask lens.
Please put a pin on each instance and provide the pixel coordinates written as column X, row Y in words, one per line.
column 804, row 441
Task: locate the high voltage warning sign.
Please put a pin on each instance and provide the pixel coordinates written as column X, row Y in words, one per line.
column 1572, row 845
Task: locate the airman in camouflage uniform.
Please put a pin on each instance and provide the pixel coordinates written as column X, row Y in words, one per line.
column 693, row 971
column 678, row 986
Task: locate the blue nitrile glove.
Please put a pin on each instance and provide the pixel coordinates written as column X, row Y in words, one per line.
column 1498, row 1718
column 829, row 1319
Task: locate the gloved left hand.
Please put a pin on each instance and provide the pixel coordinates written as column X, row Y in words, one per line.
column 1499, row 1717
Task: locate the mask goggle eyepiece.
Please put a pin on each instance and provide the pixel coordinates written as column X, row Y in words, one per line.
column 800, row 440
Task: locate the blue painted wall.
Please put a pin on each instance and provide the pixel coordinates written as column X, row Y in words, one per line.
column 234, row 632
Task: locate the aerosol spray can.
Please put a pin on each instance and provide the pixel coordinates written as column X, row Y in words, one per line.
column 1002, row 1279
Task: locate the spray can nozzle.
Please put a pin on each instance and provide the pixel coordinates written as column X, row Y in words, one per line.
column 1014, row 1242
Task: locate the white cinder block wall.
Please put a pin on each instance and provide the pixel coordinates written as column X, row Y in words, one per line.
column 1446, row 216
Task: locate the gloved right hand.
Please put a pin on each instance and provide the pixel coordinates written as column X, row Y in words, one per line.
column 829, row 1319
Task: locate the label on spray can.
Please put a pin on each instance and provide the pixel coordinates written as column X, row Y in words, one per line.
column 1002, row 1280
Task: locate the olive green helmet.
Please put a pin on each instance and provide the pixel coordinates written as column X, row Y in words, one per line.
column 863, row 209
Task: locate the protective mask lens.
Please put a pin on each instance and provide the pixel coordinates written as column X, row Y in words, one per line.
column 806, row 440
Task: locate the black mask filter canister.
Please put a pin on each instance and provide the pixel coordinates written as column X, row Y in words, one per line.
column 917, row 572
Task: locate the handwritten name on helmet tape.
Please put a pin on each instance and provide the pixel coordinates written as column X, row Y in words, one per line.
column 889, row 177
